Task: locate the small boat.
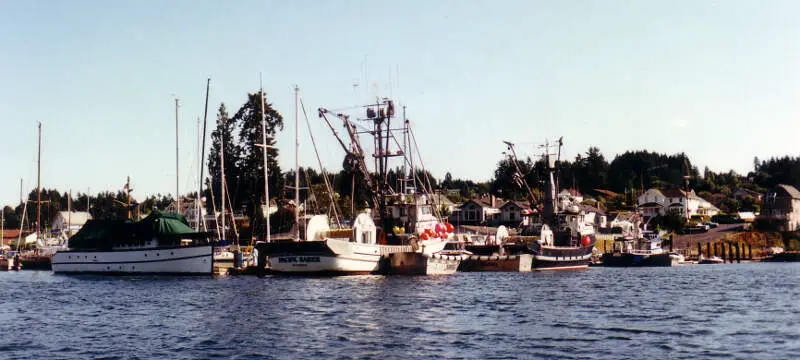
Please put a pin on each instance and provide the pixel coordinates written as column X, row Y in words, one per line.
column 710, row 260
column 162, row 243
column 643, row 249
column 10, row 261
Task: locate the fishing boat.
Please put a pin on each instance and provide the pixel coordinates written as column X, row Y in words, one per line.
column 161, row 243
column 643, row 249
column 564, row 237
column 401, row 232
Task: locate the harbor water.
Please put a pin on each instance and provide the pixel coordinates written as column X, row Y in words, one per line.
column 743, row 311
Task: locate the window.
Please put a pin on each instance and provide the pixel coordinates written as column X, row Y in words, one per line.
column 512, row 216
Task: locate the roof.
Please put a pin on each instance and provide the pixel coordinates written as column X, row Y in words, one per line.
column 476, row 201
column 519, row 204
column 650, row 205
column 673, row 193
column 608, row 193
column 789, row 190
column 11, row 233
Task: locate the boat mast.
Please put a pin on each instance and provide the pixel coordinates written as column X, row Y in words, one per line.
column 177, row 171
column 69, row 213
column 222, row 171
column 296, row 164
column 128, row 188
column 203, row 150
column 39, row 185
column 266, row 170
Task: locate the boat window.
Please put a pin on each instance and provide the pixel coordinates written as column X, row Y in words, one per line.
column 426, row 210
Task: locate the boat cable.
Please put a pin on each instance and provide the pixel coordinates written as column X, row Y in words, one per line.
column 321, row 168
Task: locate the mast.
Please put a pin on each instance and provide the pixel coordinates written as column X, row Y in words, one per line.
column 69, row 213
column 266, row 170
column 39, row 185
column 128, row 188
column 203, row 148
column 199, row 185
column 296, row 163
column 222, row 171
column 177, row 171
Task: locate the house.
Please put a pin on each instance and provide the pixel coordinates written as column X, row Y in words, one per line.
column 570, row 195
column 654, row 202
column 780, row 208
column 72, row 221
column 442, row 201
column 515, row 212
column 741, row 193
column 475, row 211
column 8, row 236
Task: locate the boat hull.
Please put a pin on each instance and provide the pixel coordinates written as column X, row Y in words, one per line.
column 181, row 260
column 561, row 257
column 512, row 263
column 636, row 260
column 324, row 257
column 412, row 263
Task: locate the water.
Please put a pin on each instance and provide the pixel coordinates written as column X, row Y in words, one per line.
column 740, row 311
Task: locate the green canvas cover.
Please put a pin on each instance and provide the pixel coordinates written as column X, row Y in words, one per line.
column 168, row 228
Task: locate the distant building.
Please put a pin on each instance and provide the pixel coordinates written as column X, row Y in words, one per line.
column 741, row 193
column 780, row 208
column 515, row 213
column 73, row 221
column 473, row 212
column 654, row 202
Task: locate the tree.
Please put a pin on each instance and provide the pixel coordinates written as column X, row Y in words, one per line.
column 222, row 140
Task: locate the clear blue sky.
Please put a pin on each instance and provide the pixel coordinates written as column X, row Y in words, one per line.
column 719, row 80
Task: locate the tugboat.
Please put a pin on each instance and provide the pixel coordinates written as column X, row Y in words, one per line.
column 565, row 236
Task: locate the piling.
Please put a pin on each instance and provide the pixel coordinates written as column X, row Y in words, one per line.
column 738, row 257
column 699, row 250
column 750, row 251
column 670, row 243
column 722, row 251
column 730, row 253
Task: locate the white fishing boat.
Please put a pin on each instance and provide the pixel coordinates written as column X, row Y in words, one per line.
column 161, row 244
column 407, row 220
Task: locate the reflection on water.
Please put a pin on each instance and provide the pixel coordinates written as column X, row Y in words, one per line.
column 740, row 311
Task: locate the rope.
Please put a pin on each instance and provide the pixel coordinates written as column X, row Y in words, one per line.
column 319, row 161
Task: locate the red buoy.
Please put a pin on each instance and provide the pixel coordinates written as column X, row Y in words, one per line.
column 586, row 241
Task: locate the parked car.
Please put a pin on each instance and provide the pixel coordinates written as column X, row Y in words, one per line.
column 713, row 224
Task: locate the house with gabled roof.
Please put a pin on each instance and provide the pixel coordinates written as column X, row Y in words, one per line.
column 654, row 202
column 473, row 212
column 780, row 208
column 515, row 212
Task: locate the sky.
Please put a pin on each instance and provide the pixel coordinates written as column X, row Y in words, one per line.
column 718, row 80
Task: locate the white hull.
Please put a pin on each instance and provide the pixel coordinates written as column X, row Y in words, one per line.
column 183, row 260
column 346, row 258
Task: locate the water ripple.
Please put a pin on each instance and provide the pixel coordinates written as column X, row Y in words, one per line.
column 731, row 311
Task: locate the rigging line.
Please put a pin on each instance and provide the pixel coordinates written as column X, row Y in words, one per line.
column 311, row 190
column 233, row 219
column 436, row 211
column 319, row 161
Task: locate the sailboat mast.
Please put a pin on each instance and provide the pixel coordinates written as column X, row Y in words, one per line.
column 39, row 185
column 177, row 171
column 203, row 149
column 69, row 213
column 266, row 171
column 296, row 162
column 199, row 185
column 222, row 171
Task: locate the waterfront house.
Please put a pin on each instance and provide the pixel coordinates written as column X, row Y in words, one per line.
column 654, row 202
column 475, row 211
column 780, row 208
column 515, row 213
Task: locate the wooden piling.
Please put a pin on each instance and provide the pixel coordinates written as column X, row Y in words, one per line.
column 738, row 257
column 699, row 251
column 730, row 253
column 750, row 251
column 722, row 252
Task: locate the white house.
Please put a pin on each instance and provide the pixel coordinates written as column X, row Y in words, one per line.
column 656, row 202
column 76, row 220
